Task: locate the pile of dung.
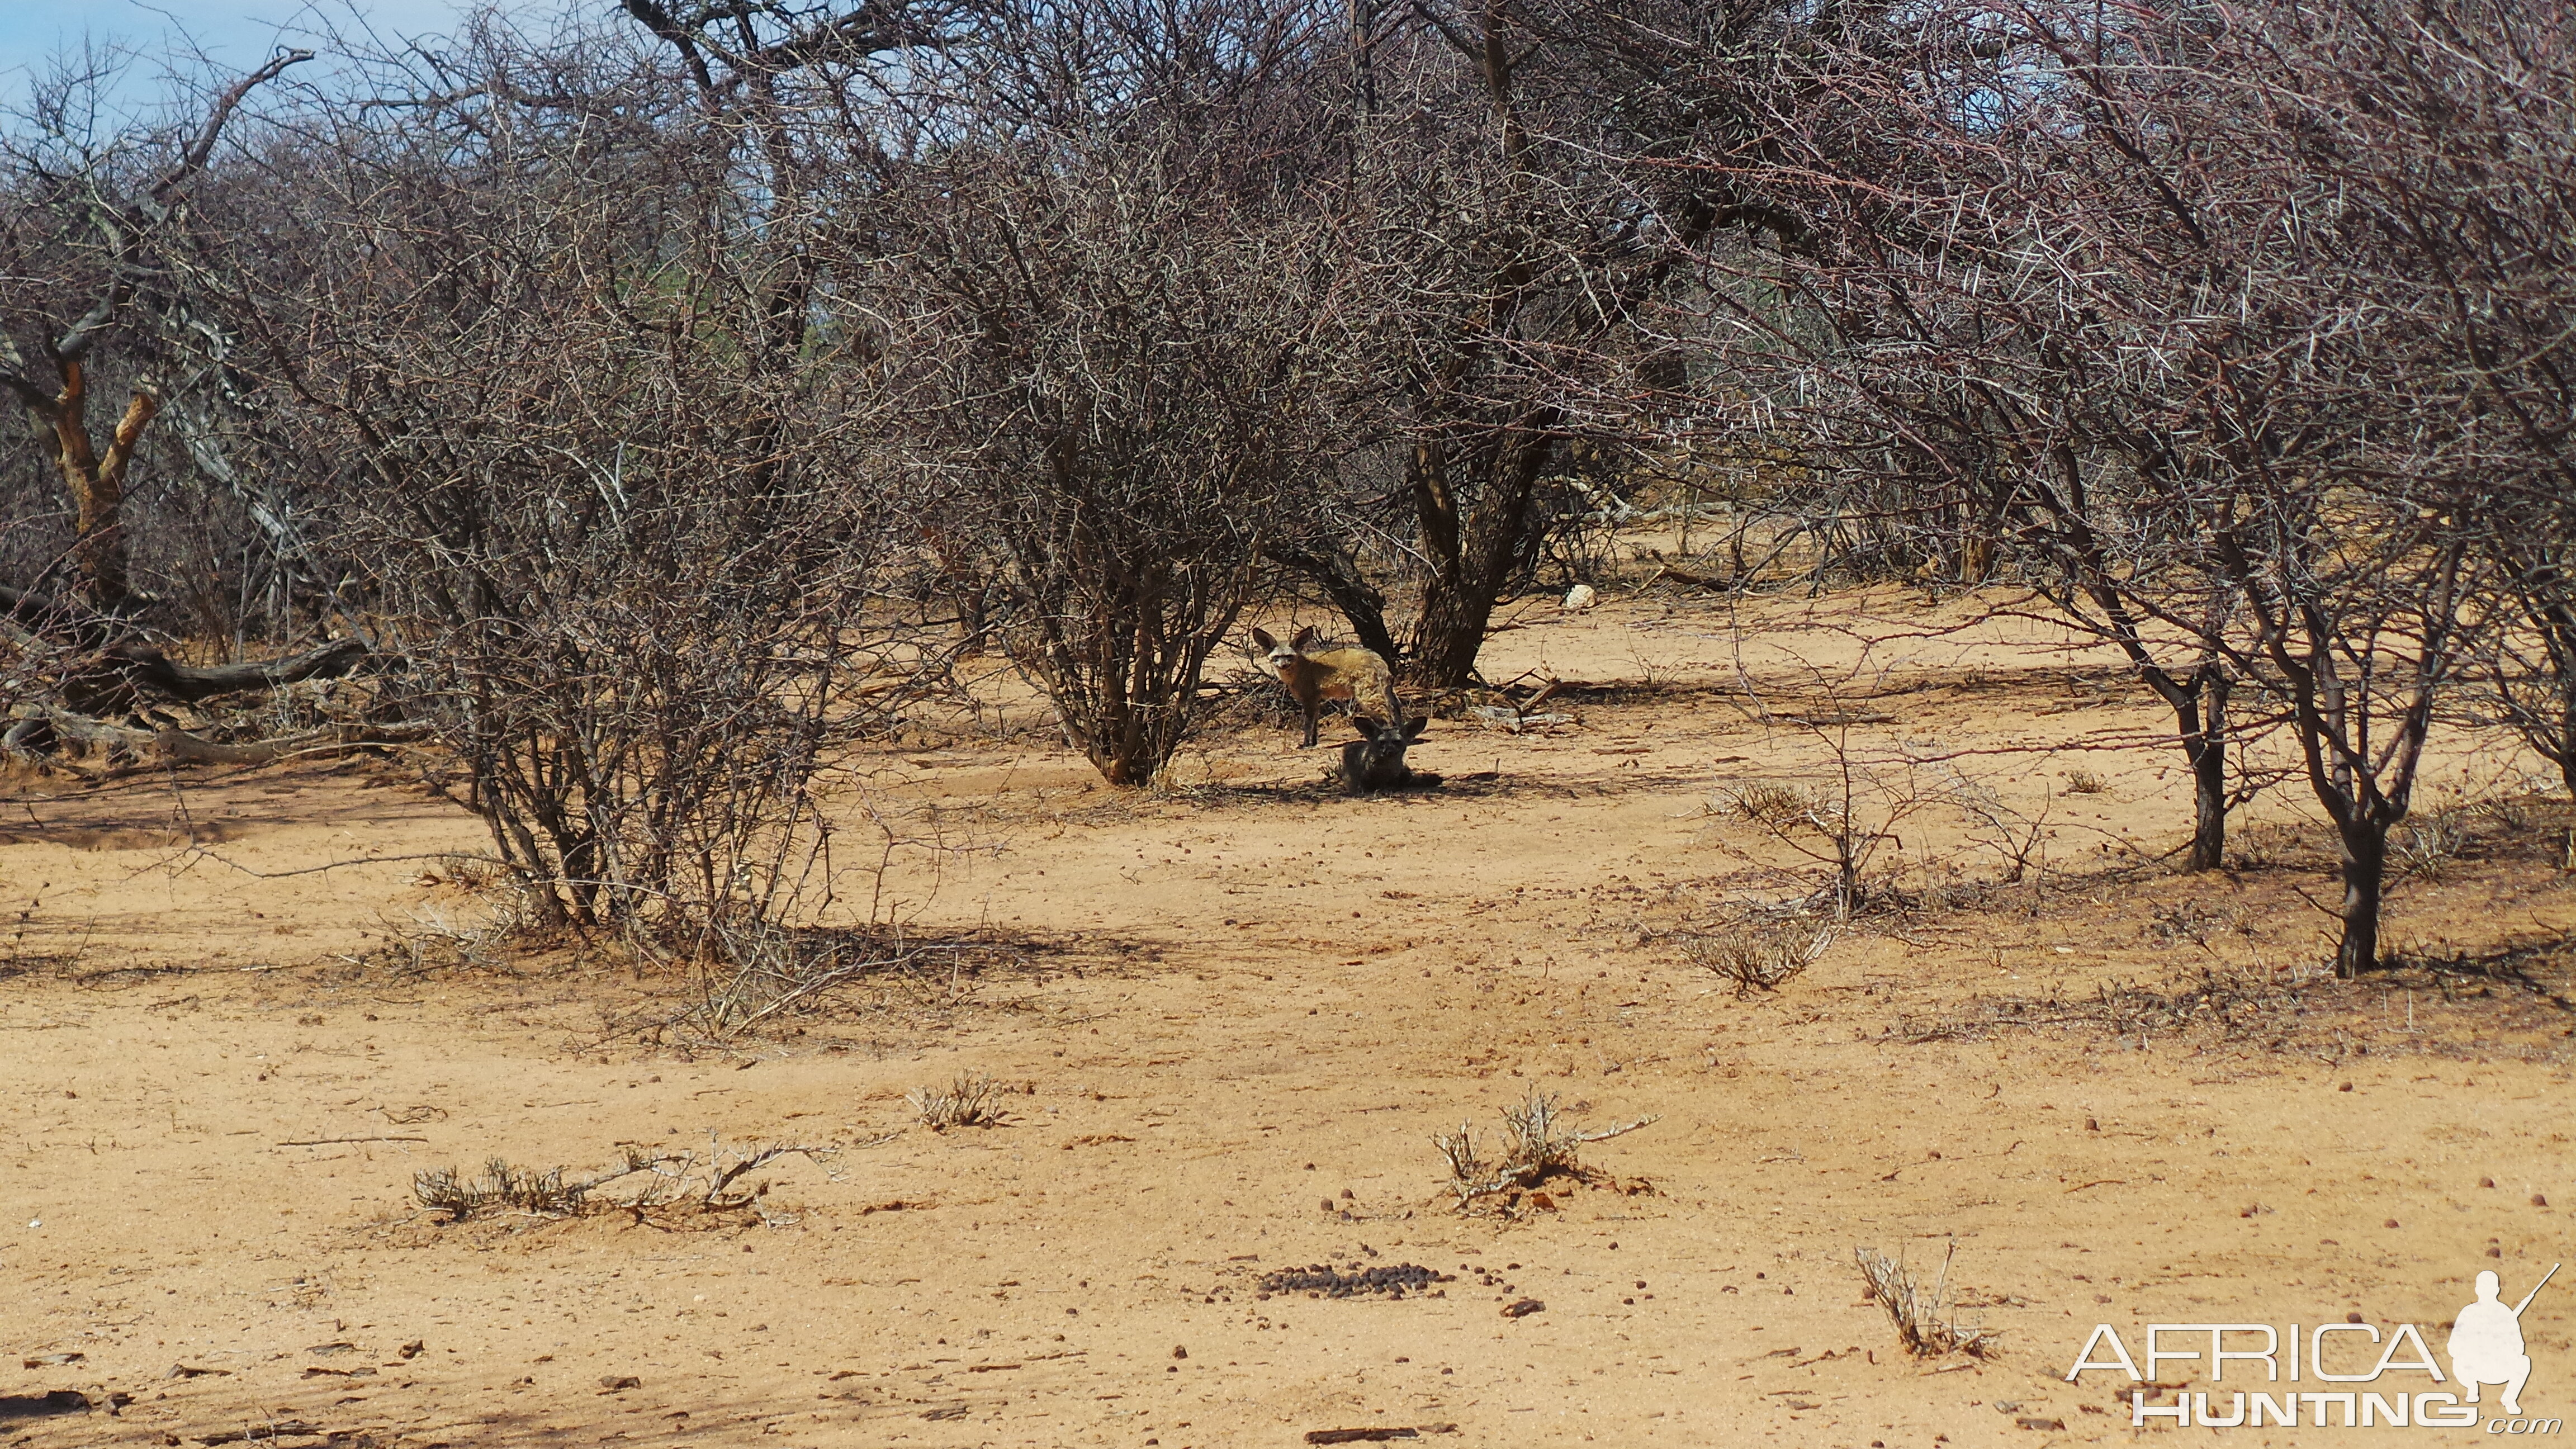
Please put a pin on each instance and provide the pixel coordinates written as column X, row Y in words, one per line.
column 1322, row 1280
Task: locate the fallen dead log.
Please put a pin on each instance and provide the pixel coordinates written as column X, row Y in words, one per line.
column 40, row 729
column 28, row 619
column 112, row 679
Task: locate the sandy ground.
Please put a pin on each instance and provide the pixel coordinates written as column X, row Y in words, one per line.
column 235, row 1023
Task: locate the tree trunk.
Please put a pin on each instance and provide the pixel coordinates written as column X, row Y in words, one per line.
column 518, row 846
column 1451, row 633
column 2208, row 803
column 97, row 483
column 2566, row 751
column 1474, row 549
column 2199, row 702
column 2204, row 744
column 2365, row 871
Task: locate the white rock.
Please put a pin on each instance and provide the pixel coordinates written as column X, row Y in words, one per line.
column 1581, row 596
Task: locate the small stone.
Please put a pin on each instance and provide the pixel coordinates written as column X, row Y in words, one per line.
column 1179, row 1352
column 619, row 1383
column 2538, row 1200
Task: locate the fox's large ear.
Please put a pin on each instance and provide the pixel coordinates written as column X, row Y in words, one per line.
column 1304, row 637
column 1264, row 642
column 1413, row 727
column 1367, row 725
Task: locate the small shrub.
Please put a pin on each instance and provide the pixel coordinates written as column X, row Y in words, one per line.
column 685, row 1181
column 1760, row 957
column 1767, row 802
column 968, row 1102
column 471, row 934
column 502, row 1187
column 1536, row 1145
column 2428, row 845
column 2084, row 782
column 1917, row 1314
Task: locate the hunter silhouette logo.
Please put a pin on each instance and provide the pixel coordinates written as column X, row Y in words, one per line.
column 2486, row 1341
column 2485, row 1349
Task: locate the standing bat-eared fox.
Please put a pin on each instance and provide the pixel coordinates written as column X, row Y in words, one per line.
column 1314, row 675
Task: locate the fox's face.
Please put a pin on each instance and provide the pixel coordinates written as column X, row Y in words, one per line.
column 1281, row 655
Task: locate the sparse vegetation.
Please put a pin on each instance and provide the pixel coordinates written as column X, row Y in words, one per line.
column 1758, row 956
column 503, row 1187
column 1537, row 1145
column 2189, row 922
column 2426, row 846
column 627, row 439
column 695, row 1182
column 1775, row 803
column 971, row 1100
column 1920, row 1314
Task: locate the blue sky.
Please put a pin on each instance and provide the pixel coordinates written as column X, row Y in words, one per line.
column 236, row 33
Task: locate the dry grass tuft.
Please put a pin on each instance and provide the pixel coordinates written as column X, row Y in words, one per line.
column 1537, row 1145
column 1775, row 803
column 967, row 1102
column 1758, row 957
column 502, row 1187
column 2426, row 846
column 2084, row 782
column 686, row 1182
column 1916, row 1313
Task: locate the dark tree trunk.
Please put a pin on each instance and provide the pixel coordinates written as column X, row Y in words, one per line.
column 1451, row 633
column 2208, row 803
column 2199, row 702
column 1476, row 545
column 2365, row 871
column 2567, row 755
column 2204, row 744
column 2197, row 696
